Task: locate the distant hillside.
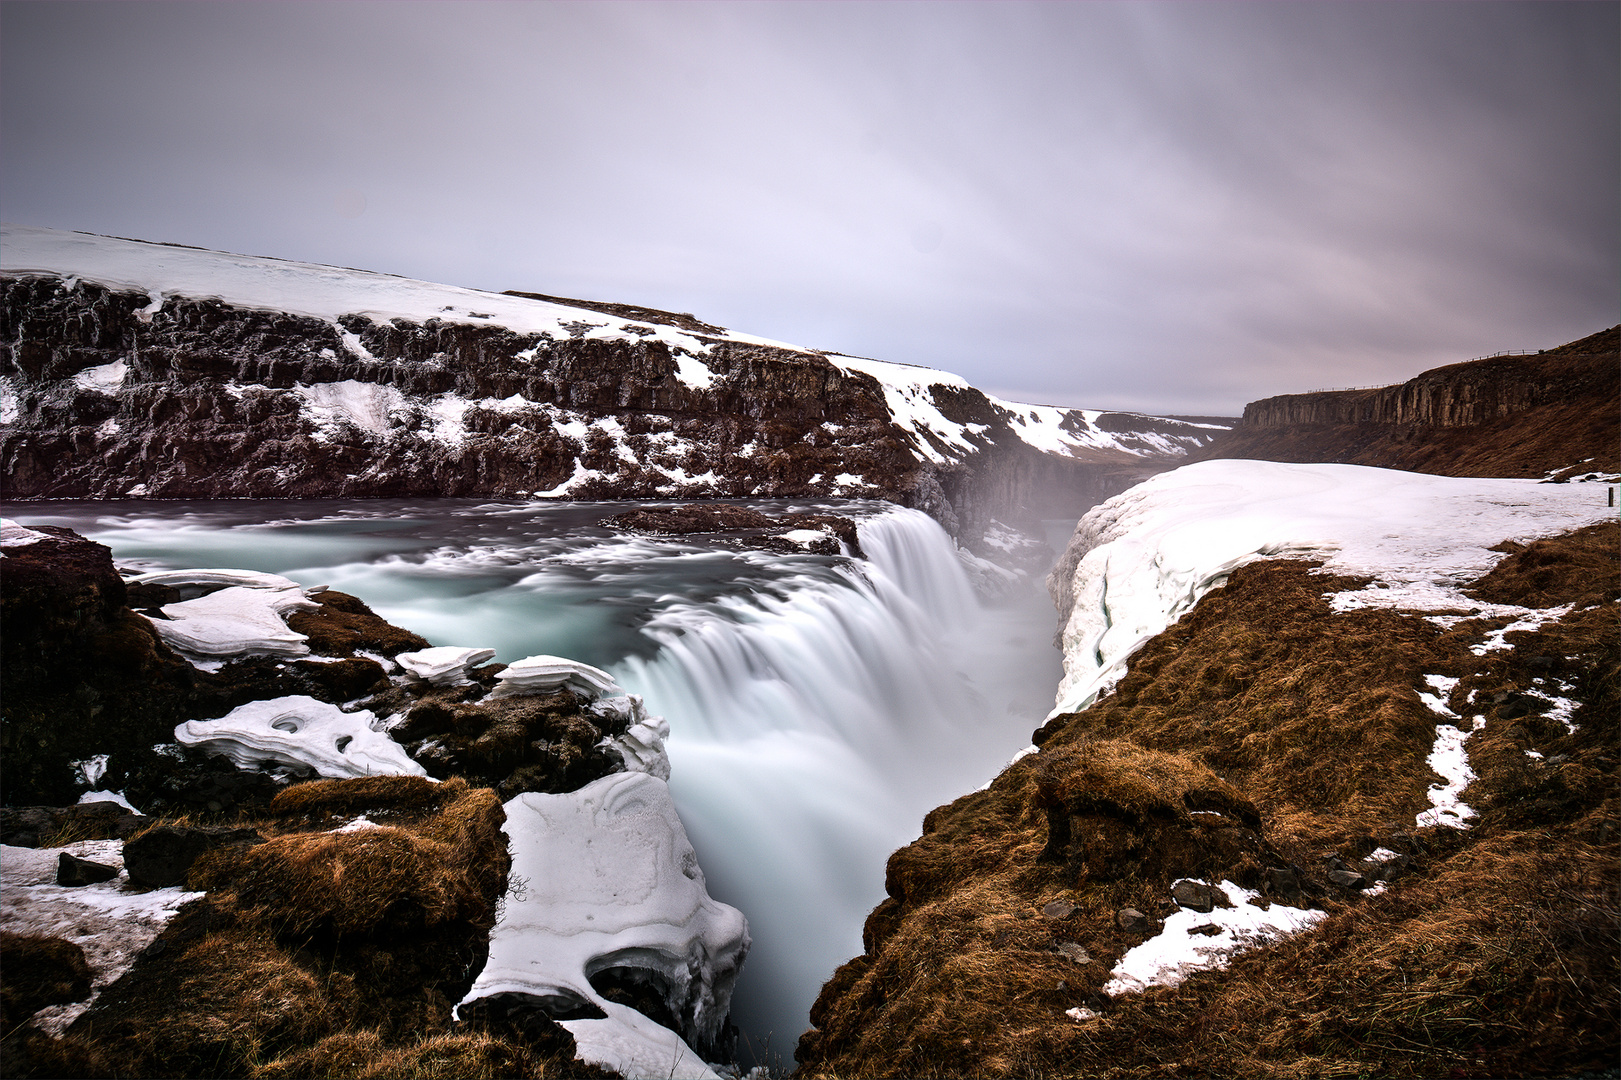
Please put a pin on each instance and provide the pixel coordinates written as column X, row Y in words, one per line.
column 139, row 370
column 1557, row 413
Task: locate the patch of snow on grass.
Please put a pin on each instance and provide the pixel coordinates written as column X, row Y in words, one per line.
column 1450, row 760
column 1176, row 952
column 112, row 925
column 1532, row 620
column 1437, row 702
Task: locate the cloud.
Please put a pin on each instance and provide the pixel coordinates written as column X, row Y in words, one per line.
column 1163, row 206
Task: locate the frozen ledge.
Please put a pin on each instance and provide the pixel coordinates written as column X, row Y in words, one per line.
column 605, row 883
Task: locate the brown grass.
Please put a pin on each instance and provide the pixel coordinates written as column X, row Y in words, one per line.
column 444, row 867
column 316, row 946
column 1493, row 954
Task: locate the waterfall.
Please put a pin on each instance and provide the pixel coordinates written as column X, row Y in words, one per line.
column 813, row 725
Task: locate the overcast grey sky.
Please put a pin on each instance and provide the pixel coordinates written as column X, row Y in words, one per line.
column 1161, row 207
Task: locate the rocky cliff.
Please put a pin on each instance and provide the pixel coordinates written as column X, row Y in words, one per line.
column 133, row 370
column 1554, row 413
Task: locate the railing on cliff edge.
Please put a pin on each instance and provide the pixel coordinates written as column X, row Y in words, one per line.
column 1382, row 386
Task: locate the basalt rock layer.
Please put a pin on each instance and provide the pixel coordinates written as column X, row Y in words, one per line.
column 145, row 370
column 1556, row 413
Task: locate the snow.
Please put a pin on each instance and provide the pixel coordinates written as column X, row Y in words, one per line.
column 10, row 409
column 692, row 372
column 1173, row 954
column 367, row 406
column 1152, row 552
column 322, row 292
column 111, row 924
column 605, row 877
column 91, row 769
column 15, row 535
column 544, row 674
column 1530, row 620
column 443, row 665
column 1450, row 760
column 108, row 796
column 304, row 733
column 235, row 621
column 802, row 536
column 641, row 747
column 104, row 379
column 908, row 393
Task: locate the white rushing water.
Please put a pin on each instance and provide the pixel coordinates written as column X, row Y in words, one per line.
column 819, row 706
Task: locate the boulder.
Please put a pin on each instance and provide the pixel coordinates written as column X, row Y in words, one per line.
column 1195, row 895
column 1132, row 921
column 74, row 872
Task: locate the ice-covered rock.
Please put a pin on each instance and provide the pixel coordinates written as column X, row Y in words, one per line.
column 194, row 583
column 304, row 733
column 607, row 887
column 15, row 535
column 237, row 620
column 542, row 674
column 641, row 747
column 443, row 665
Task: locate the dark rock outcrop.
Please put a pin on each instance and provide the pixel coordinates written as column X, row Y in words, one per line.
column 40, row 971
column 220, row 401
column 1554, row 412
column 162, row 856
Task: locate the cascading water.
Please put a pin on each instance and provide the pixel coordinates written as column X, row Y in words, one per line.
column 819, row 706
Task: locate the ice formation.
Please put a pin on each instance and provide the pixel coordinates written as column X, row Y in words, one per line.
column 15, row 535
column 608, row 885
column 642, row 745
column 542, row 674
column 443, row 665
column 1152, row 552
column 225, row 613
column 304, row 733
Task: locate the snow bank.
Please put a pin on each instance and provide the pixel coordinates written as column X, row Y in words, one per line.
column 604, row 877
column 304, row 733
column 1152, row 552
column 112, row 925
column 15, row 535
column 164, row 271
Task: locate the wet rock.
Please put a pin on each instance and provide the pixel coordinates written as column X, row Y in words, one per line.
column 1207, row 930
column 1058, row 909
column 161, row 857
column 1348, row 879
column 1132, row 921
column 1074, row 951
column 1194, row 895
column 35, row 826
column 75, row 872
column 1283, row 884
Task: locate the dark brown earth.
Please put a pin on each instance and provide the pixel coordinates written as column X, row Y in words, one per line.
column 1549, row 414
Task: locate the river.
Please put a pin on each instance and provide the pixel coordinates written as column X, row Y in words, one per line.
column 819, row 705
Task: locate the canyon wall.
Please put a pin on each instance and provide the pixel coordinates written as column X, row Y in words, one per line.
column 124, row 377
column 1548, row 414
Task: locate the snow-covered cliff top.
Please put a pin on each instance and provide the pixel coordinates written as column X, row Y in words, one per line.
column 1148, row 555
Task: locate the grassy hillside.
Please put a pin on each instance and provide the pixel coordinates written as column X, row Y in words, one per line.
column 1269, row 740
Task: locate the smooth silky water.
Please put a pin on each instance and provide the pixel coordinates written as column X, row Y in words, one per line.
column 819, row 706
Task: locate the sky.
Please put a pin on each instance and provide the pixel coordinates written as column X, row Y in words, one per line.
column 1161, row 207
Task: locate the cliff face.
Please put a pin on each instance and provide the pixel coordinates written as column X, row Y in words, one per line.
column 1557, row 411
column 138, row 370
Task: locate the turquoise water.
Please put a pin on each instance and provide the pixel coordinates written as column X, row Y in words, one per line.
column 819, row 705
